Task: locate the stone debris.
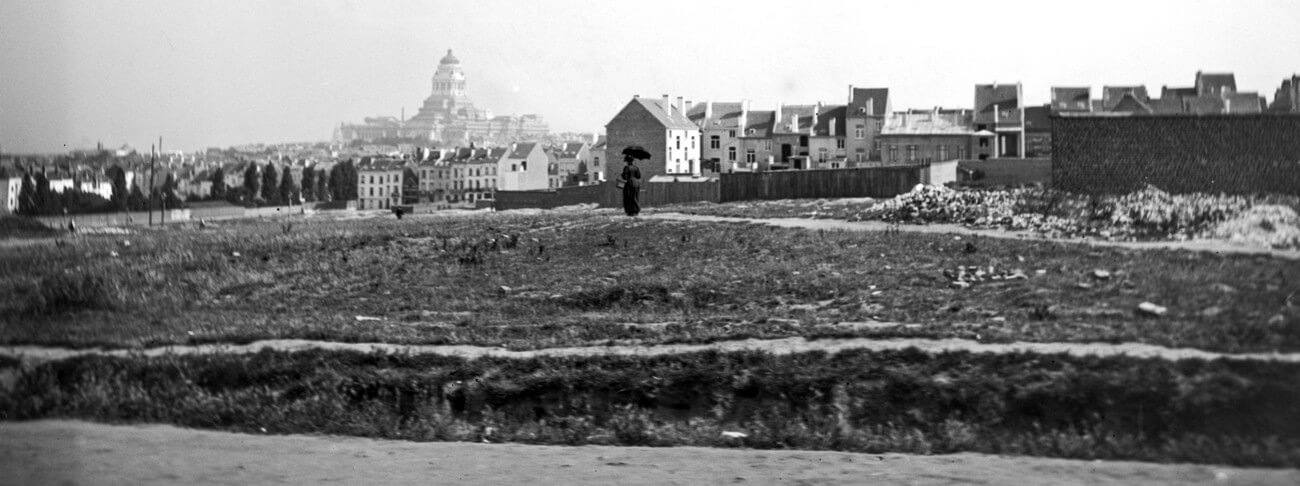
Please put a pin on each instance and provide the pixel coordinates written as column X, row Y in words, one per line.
column 1100, row 274
column 727, row 434
column 972, row 274
column 1152, row 309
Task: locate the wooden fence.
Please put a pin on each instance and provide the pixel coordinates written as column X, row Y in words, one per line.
column 879, row 182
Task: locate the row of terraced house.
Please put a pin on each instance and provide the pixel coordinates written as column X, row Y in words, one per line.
column 687, row 139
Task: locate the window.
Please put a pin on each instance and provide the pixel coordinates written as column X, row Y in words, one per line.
column 943, row 152
column 715, row 142
column 876, row 147
column 767, row 145
column 821, row 154
column 372, row 192
column 803, row 140
column 679, row 141
column 961, row 152
column 911, row 153
column 984, row 142
column 860, row 132
column 749, row 156
column 859, row 156
column 731, row 154
column 733, row 133
column 839, row 143
column 893, row 152
column 514, row 168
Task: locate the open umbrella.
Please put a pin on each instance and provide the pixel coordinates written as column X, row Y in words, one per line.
column 636, row 152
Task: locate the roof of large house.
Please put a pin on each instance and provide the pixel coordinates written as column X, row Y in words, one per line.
column 829, row 113
column 667, row 115
column 1071, row 99
column 1129, row 103
column 569, row 150
column 1038, row 118
column 521, row 150
column 1003, row 96
column 928, row 124
column 1243, row 103
column 858, row 101
column 724, row 114
column 791, row 116
column 381, row 164
column 759, row 124
column 1203, row 104
column 1215, row 83
column 1176, row 93
column 1111, row 95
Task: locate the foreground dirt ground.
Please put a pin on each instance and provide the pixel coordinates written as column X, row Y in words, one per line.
column 65, row 452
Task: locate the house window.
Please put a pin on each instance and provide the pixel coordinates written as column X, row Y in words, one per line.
column 715, row 142
column 679, row 142
column 876, row 147
column 749, row 156
column 893, row 152
column 767, row 145
column 839, row 143
column 860, row 132
column 961, row 152
column 911, row 153
column 803, row 140
column 943, row 152
column 731, row 154
column 732, row 134
column 821, row 154
column 984, row 142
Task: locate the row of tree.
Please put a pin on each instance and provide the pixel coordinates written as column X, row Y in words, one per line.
column 35, row 197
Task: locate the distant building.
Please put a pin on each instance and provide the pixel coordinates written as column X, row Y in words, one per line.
column 659, row 127
column 721, row 125
column 573, row 161
column 999, row 109
column 1111, row 96
column 379, row 183
column 448, row 116
column 524, row 167
column 754, row 152
column 1038, row 131
column 1067, row 99
column 864, row 118
column 935, row 136
column 1287, row 97
column 9, row 188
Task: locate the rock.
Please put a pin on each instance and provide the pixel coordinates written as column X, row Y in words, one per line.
column 1100, row 274
column 1018, row 274
column 234, row 254
column 503, row 289
column 1227, row 289
column 871, row 308
column 1277, row 320
column 368, row 318
column 1040, row 272
column 1152, row 309
column 787, row 322
column 1084, row 285
column 727, row 434
column 1212, row 311
column 112, row 253
column 126, row 242
column 960, row 285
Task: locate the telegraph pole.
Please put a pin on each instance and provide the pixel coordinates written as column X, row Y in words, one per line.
column 153, row 162
column 162, row 215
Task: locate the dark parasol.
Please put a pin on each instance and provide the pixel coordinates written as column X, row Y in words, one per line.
column 636, row 152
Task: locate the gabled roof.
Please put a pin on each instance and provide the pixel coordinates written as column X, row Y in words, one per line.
column 668, row 115
column 380, row 164
column 725, row 114
column 1243, row 103
column 1005, row 96
column 879, row 101
column 569, row 150
column 521, row 150
column 1039, row 118
column 1215, row 83
column 1129, row 103
column 928, row 124
column 760, row 122
column 829, row 113
column 1111, row 95
column 1071, row 99
column 792, row 114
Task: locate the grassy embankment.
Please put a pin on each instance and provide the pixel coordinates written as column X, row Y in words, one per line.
column 581, row 279
column 1222, row 412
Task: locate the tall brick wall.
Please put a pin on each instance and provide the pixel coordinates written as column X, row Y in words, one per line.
column 1237, row 154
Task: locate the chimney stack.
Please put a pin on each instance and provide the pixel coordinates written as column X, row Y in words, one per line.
column 832, row 127
column 743, row 123
column 680, row 107
column 667, row 105
column 850, row 94
column 636, row 96
column 689, row 105
column 871, row 106
column 779, row 120
column 708, row 110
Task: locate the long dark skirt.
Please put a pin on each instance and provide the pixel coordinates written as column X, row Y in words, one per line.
column 631, row 200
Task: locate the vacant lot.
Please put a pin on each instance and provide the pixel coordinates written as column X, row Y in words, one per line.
column 564, row 279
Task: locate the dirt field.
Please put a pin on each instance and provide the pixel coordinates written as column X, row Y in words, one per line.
column 61, row 452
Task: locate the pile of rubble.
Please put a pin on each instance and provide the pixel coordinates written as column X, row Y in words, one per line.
column 964, row 277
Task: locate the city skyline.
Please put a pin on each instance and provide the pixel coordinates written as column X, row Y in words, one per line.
column 203, row 74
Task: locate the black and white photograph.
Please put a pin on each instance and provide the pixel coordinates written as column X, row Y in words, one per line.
column 636, row 242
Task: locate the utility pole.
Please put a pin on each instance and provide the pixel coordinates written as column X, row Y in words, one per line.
column 162, row 215
column 153, row 161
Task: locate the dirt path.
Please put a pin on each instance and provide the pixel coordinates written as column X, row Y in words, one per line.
column 65, row 452
column 34, row 354
column 1211, row 246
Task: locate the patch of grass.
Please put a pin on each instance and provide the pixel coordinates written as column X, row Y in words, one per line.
column 1237, row 413
column 24, row 227
column 562, row 283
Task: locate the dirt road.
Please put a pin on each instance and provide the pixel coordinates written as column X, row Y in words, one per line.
column 65, row 452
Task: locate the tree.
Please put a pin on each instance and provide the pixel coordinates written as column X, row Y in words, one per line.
column 46, row 201
column 288, row 190
column 218, row 184
column 271, row 185
column 120, row 191
column 308, row 184
column 323, row 186
column 136, row 201
column 252, row 182
column 349, row 181
column 170, row 200
column 27, row 197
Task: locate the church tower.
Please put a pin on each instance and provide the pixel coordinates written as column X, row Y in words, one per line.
column 448, row 100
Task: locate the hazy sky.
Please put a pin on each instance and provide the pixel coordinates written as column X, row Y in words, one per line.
column 219, row 73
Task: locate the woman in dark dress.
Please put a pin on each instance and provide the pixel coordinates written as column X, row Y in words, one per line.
column 631, row 186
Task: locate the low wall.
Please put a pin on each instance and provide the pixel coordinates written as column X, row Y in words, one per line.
column 878, row 182
column 1006, row 172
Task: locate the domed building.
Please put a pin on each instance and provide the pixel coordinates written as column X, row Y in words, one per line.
column 448, row 116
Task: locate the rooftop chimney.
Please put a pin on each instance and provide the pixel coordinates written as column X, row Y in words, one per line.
column 743, row 122
column 708, row 110
column 871, row 106
column 636, row 96
column 667, row 105
column 832, row 127
column 689, row 105
column 680, row 107
column 850, row 94
column 778, row 121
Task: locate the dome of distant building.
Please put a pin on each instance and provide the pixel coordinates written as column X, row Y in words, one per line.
column 449, row 59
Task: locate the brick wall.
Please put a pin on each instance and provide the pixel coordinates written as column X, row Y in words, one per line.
column 1238, row 154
